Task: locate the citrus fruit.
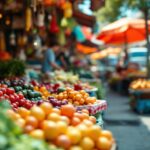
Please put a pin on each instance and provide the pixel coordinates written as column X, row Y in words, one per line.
column 74, row 134
column 20, row 122
column 67, row 110
column 83, row 129
column 38, row 134
column 28, row 128
column 94, row 132
column 62, row 127
column 23, row 112
column 65, row 119
column 63, row 141
column 92, row 119
column 56, row 110
column 107, row 134
column 103, row 143
column 87, row 143
column 38, row 113
column 31, row 120
column 54, row 117
column 50, row 130
column 75, row 121
column 46, row 107
column 75, row 148
column 88, row 123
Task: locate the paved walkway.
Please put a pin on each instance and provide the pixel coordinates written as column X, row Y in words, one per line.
column 128, row 127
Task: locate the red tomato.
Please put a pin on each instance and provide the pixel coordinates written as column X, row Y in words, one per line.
column 21, row 96
column 1, row 93
column 10, row 91
column 12, row 98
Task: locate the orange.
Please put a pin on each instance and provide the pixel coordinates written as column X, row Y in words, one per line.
column 46, row 107
column 82, row 92
column 83, row 129
column 78, row 97
column 75, row 121
column 36, row 88
column 75, row 148
column 13, row 115
column 38, row 113
column 67, row 110
column 76, row 103
column 53, row 117
column 20, row 122
column 78, row 115
column 50, row 130
column 43, row 89
column 65, row 119
column 28, row 128
column 94, row 132
column 74, row 134
column 88, row 123
column 92, row 119
column 63, row 141
column 103, row 143
column 56, row 110
column 38, row 134
column 62, row 127
column 23, row 112
column 107, row 134
column 81, row 101
column 85, row 111
column 85, row 116
column 31, row 120
column 87, row 143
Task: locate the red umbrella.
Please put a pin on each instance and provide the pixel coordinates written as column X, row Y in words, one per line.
column 124, row 31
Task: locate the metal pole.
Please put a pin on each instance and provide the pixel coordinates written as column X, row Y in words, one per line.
column 148, row 42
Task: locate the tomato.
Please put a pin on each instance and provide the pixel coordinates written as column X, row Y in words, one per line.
column 3, row 90
column 1, row 93
column 12, row 98
column 21, row 96
column 10, row 91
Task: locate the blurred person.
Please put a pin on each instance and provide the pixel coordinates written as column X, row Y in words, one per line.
column 62, row 59
column 49, row 61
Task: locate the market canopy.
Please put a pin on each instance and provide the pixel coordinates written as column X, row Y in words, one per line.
column 124, row 31
column 106, row 52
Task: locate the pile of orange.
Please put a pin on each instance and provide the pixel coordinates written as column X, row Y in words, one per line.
column 76, row 97
column 140, row 84
column 45, row 93
column 63, row 127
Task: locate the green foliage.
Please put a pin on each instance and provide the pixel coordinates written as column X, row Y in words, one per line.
column 113, row 9
column 11, row 68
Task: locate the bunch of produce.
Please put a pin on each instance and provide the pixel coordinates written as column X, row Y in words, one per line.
column 63, row 127
column 76, row 97
column 11, row 68
column 16, row 99
column 140, row 84
column 83, row 86
column 64, row 77
column 12, row 137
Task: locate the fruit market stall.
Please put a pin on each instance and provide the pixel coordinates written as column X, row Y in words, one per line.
column 140, row 95
column 64, row 126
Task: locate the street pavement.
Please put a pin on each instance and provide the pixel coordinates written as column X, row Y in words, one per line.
column 131, row 130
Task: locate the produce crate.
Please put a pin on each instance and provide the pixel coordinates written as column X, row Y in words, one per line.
column 140, row 100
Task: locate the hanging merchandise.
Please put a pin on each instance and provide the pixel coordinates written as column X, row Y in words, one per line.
column 49, row 2
column 67, row 7
column 2, row 41
column 34, row 5
column 60, row 3
column 12, row 39
column 77, row 31
column 61, row 37
column 64, row 22
column 40, row 18
column 53, row 25
column 28, row 19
